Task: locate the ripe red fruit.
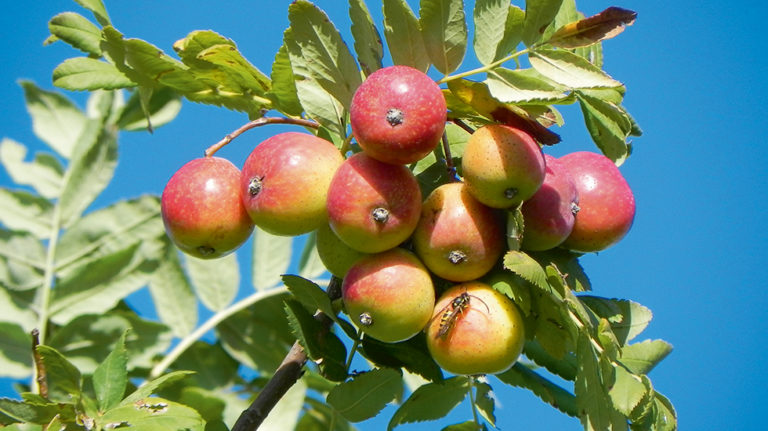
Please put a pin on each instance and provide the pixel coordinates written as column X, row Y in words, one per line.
column 285, row 182
column 502, row 165
column 373, row 206
column 549, row 214
column 475, row 330
column 398, row 115
column 202, row 210
column 458, row 238
column 389, row 295
column 607, row 205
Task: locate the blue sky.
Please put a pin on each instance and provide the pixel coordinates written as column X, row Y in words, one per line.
column 695, row 255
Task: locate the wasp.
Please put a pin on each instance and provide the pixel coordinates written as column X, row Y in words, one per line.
column 451, row 312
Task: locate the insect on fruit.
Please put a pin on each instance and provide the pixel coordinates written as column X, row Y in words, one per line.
column 450, row 313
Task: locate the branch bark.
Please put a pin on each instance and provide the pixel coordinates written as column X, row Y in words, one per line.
column 256, row 123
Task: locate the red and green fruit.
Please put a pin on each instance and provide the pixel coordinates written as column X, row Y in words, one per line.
column 475, row 330
column 202, row 210
column 373, row 206
column 389, row 295
column 337, row 256
column 550, row 213
column 398, row 115
column 502, row 165
column 458, row 238
column 606, row 202
column 285, row 182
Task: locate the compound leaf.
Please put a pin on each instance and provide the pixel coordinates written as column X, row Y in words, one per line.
column 444, row 31
column 77, row 31
column 403, row 34
column 368, row 44
column 431, row 401
column 366, row 394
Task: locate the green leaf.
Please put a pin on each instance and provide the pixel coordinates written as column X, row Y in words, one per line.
column 403, row 34
column 24, row 258
column 595, row 407
column 214, row 368
column 55, row 119
column 366, row 394
column 271, row 258
column 485, row 402
column 25, row 212
column 312, row 296
column 111, row 376
column 321, row 345
column 367, row 39
column 318, row 52
column 526, row 267
column 152, row 414
column 567, row 266
column 259, row 336
column 608, row 124
column 310, row 264
column 490, row 19
column 521, row 376
column 564, row 367
column 15, row 351
column 77, row 31
column 231, row 61
column 642, row 357
column 18, row 308
column 40, row 413
column 97, row 7
column 155, row 385
column 523, row 86
column 632, row 318
column 431, row 401
column 44, row 173
column 627, row 391
column 666, row 416
column 285, row 414
column 216, row 281
column 411, row 354
column 444, row 31
column 64, row 379
column 172, row 295
column 538, row 15
column 283, row 92
column 569, row 69
column 163, row 106
column 87, row 74
column 513, row 286
column 91, row 168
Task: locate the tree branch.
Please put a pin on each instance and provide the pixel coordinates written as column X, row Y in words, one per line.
column 256, row 123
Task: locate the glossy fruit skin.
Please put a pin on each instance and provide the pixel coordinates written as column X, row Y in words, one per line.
column 606, row 202
column 373, row 206
column 486, row 338
column 549, row 214
column 398, row 115
column 458, row 238
column 389, row 295
column 202, row 210
column 502, row 166
column 285, row 182
column 337, row 256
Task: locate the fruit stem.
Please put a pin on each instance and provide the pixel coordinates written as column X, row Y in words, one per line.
column 472, row 401
column 448, row 158
column 353, row 350
column 210, row 151
column 211, row 323
column 485, row 68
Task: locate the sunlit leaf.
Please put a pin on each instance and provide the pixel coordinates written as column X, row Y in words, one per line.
column 163, row 106
column 98, row 9
column 569, row 69
column 216, row 281
column 285, row 414
column 77, row 31
column 431, row 401
column 111, row 376
column 310, row 264
column 526, row 267
column 85, row 74
column 485, row 402
column 368, row 44
column 522, row 86
column 632, row 320
column 64, row 379
column 642, row 357
column 271, row 258
column 538, row 15
column 492, row 38
column 608, row 124
column 594, row 405
column 229, row 59
column 44, row 173
column 26, row 212
column 15, row 351
column 366, row 394
column 172, row 295
column 55, row 119
column 155, row 385
column 585, row 32
column 403, row 34
column 321, row 345
column 627, row 391
column 153, row 414
column 283, row 92
column 40, row 412
column 444, row 31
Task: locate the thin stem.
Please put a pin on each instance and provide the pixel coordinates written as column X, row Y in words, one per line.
column 353, row 350
column 485, row 68
column 472, row 401
column 211, row 323
column 256, row 123
column 448, row 158
column 41, row 376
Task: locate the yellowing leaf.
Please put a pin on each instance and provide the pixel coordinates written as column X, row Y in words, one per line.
column 588, row 31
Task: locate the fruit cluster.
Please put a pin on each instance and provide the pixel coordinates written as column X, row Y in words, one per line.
column 375, row 230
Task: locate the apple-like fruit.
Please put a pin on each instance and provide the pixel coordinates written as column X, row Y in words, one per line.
column 389, row 295
column 373, row 206
column 285, row 182
column 550, row 213
column 202, row 210
column 502, row 165
column 337, row 256
column 458, row 238
column 398, row 115
column 475, row 330
column 606, row 202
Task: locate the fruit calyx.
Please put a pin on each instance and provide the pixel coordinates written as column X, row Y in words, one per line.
column 395, row 117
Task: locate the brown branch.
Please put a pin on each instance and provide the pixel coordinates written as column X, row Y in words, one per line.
column 449, row 158
column 256, row 123
column 286, row 375
column 41, row 376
